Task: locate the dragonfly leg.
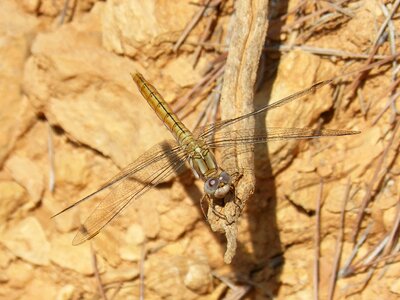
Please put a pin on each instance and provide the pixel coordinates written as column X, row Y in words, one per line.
column 202, row 207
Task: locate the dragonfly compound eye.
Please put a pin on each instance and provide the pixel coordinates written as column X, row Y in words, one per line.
column 224, row 178
column 211, row 185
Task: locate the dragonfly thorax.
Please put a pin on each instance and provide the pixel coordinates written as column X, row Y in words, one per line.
column 202, row 160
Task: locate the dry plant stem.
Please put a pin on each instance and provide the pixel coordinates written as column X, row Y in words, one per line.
column 206, row 33
column 96, row 273
column 248, row 34
column 390, row 101
column 339, row 244
column 189, row 27
column 321, row 51
column 206, row 89
column 369, row 193
column 50, row 152
column 197, row 89
column 394, row 233
column 304, row 19
column 141, row 270
column 317, row 240
column 356, row 83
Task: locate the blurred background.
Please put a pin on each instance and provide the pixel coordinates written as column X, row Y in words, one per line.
column 324, row 218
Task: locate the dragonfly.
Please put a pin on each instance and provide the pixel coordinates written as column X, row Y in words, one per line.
column 195, row 149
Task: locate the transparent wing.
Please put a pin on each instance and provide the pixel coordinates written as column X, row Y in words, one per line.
column 208, row 130
column 133, row 181
column 228, row 138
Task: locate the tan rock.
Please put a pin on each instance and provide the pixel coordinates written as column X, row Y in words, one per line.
column 12, row 197
column 130, row 252
column 28, row 241
column 30, row 5
column 165, row 275
column 135, row 235
column 120, row 275
column 389, row 217
column 106, row 244
column 15, row 27
column 178, row 220
column 335, row 198
column 149, row 217
column 67, row 85
column 77, row 258
column 29, row 175
column 395, row 287
column 39, row 289
column 157, row 28
column 5, row 257
column 72, row 167
column 198, row 278
column 66, row 292
column 19, row 274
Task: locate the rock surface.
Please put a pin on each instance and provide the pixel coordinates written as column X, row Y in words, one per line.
column 71, row 118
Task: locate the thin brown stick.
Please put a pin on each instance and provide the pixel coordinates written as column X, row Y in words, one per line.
column 317, row 239
column 180, row 103
column 141, row 272
column 299, row 22
column 206, row 33
column 50, row 153
column 189, row 27
column 377, row 43
column 369, row 193
column 339, row 243
column 97, row 274
column 391, row 100
column 394, row 232
column 322, row 51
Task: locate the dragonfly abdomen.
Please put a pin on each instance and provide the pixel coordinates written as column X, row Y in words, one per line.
column 162, row 109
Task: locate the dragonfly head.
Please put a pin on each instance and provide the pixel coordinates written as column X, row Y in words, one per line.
column 218, row 186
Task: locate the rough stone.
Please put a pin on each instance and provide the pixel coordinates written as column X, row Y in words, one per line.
column 77, row 258
column 12, row 197
column 28, row 241
column 15, row 30
column 20, row 274
column 29, row 175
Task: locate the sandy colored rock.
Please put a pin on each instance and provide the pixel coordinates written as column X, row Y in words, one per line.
column 66, row 292
column 28, row 241
column 135, row 235
column 20, row 274
column 107, row 244
column 71, row 81
column 77, row 258
column 130, row 252
column 198, row 277
column 15, row 28
column 183, row 214
column 149, row 218
column 158, row 28
column 12, row 197
column 72, row 167
column 120, row 275
column 30, row 6
column 5, row 257
column 95, row 86
column 39, row 288
column 28, row 174
column 166, row 277
column 395, row 287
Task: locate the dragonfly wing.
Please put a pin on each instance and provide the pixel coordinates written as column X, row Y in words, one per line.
column 228, row 138
column 132, row 182
column 209, row 130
